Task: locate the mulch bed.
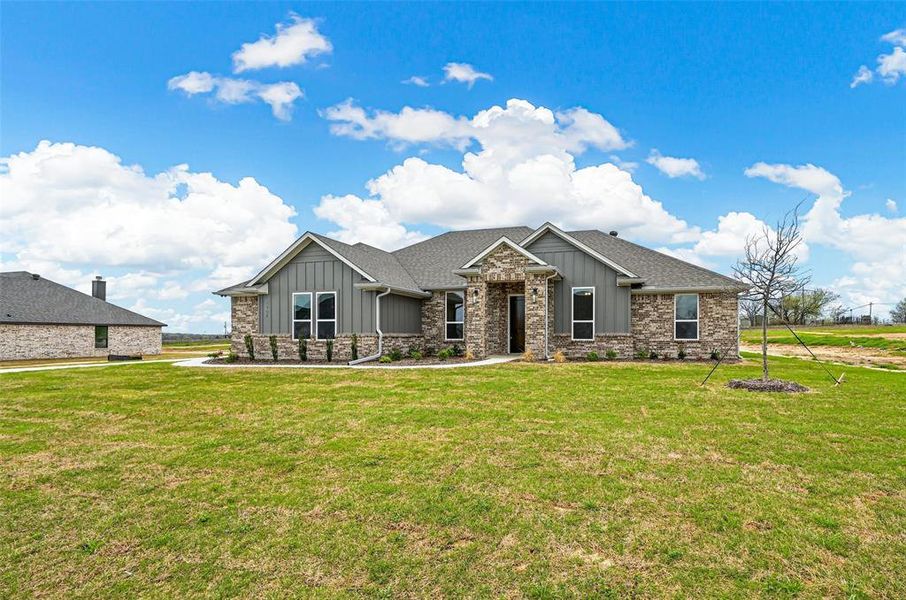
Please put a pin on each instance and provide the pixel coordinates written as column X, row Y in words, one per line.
column 430, row 360
column 771, row 385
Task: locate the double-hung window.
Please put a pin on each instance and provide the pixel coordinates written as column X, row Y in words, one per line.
column 583, row 313
column 301, row 315
column 100, row 336
column 327, row 315
column 455, row 312
column 685, row 325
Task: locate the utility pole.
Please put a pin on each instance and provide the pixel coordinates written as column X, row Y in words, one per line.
column 869, row 312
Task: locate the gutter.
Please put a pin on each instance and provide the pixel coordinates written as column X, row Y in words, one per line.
column 380, row 339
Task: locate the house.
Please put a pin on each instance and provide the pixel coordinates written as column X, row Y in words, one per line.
column 491, row 291
column 43, row 319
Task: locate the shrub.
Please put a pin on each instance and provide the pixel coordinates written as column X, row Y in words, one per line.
column 611, row 354
column 273, row 341
column 415, row 354
column 216, row 354
column 231, row 357
column 652, row 355
column 592, row 356
column 715, row 355
column 354, row 350
column 641, row 353
column 329, row 350
column 444, row 354
column 385, row 359
column 455, row 350
column 429, row 351
column 395, row 354
column 249, row 345
column 469, row 356
column 303, row 349
column 528, row 356
column 559, row 357
column 681, row 353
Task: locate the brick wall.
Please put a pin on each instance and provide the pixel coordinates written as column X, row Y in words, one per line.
column 288, row 348
column 70, row 341
column 652, row 325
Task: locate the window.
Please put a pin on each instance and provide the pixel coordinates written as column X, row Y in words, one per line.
column 455, row 313
column 327, row 315
column 100, row 336
column 583, row 313
column 301, row 315
column 686, row 316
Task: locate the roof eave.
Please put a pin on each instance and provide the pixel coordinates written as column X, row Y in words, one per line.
column 300, row 244
column 571, row 240
column 378, row 286
column 736, row 289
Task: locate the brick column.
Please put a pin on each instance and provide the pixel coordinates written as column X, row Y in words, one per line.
column 476, row 317
column 534, row 313
column 243, row 320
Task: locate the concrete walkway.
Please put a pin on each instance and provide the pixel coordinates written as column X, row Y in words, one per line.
column 90, row 365
column 491, row 360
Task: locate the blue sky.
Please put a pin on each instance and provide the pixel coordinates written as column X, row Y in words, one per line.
column 753, row 94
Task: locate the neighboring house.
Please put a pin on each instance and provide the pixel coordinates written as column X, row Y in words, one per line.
column 492, row 291
column 43, row 319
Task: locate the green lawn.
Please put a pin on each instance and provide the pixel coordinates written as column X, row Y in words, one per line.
column 840, row 337
column 572, row 480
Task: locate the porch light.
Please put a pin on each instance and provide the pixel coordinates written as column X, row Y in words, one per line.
column 534, row 295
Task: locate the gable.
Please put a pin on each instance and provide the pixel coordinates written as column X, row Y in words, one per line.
column 550, row 229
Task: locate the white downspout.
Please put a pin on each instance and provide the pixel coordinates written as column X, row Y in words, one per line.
column 377, row 327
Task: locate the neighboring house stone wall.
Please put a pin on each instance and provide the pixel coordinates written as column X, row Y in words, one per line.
column 653, row 320
column 22, row 341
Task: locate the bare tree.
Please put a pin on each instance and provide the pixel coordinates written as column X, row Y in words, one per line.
column 770, row 269
column 898, row 314
column 750, row 309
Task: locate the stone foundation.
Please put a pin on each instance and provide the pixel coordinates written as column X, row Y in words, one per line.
column 288, row 348
column 619, row 342
column 18, row 341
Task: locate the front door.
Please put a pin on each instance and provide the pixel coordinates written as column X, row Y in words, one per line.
column 517, row 324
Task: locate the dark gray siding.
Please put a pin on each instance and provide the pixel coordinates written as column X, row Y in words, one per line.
column 580, row 269
column 401, row 314
column 316, row 270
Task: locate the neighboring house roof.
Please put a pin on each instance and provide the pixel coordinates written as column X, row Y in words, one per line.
column 27, row 298
column 433, row 263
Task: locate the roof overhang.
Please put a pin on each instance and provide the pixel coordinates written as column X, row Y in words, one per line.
column 380, row 287
column 294, row 249
column 506, row 241
column 690, row 290
column 550, row 227
column 242, row 290
column 629, row 281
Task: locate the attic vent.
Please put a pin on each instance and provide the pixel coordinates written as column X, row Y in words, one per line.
column 35, row 276
column 613, row 232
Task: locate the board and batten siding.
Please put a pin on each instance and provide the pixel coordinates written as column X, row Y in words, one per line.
column 581, row 270
column 315, row 269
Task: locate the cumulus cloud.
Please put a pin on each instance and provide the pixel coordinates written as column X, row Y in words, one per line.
column 891, row 66
column 70, row 212
column 877, row 244
column 464, row 73
column 280, row 96
column 891, row 206
column 416, row 80
column 673, row 167
column 523, row 171
column 293, row 44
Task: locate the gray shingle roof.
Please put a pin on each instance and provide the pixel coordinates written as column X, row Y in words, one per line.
column 658, row 269
column 380, row 264
column 24, row 299
column 431, row 262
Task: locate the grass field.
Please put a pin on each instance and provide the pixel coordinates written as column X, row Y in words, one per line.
column 541, row 481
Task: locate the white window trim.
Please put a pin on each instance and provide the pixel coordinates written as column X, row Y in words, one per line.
column 696, row 320
column 572, row 313
column 318, row 319
column 292, row 314
column 463, row 322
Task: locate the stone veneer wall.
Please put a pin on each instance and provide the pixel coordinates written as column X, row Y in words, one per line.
column 619, row 342
column 652, row 325
column 23, row 341
column 288, row 348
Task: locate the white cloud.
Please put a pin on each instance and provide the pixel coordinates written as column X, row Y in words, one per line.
column 524, row 172
column 891, row 206
column 864, row 75
column 892, row 66
column 626, row 165
column 897, row 37
column 416, row 80
column 280, row 96
column 293, row 44
column 673, row 167
column 876, row 244
column 70, row 212
column 464, row 73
